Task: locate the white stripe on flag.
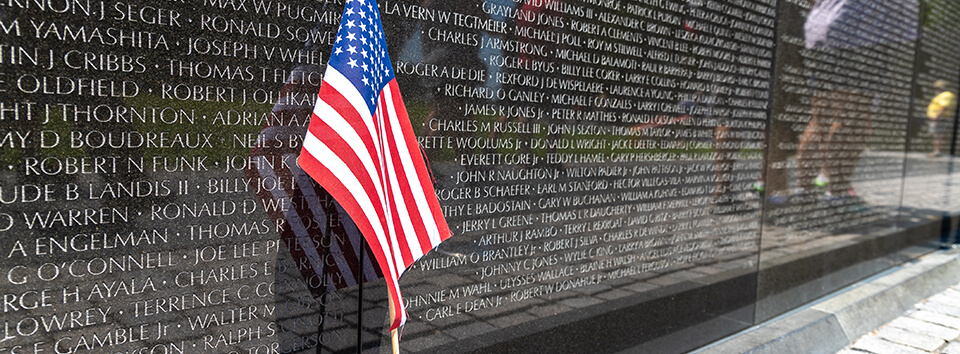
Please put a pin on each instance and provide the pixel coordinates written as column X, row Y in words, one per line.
column 342, row 172
column 401, row 208
column 340, row 83
column 394, row 199
column 346, row 133
column 416, row 188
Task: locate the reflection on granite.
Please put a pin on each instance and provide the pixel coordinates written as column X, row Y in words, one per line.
column 233, row 289
column 597, row 160
column 841, row 255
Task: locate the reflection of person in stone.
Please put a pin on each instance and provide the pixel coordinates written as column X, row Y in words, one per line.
column 940, row 113
column 827, row 156
column 834, row 140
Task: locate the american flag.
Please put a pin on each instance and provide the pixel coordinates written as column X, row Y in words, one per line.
column 361, row 148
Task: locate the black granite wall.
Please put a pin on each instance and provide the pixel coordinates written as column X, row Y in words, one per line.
column 618, row 174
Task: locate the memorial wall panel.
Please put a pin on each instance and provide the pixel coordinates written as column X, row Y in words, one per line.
column 835, row 158
column 617, row 174
column 150, row 197
column 588, row 156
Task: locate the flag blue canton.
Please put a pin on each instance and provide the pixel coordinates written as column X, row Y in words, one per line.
column 360, row 50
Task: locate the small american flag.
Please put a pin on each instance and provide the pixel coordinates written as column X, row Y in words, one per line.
column 361, row 148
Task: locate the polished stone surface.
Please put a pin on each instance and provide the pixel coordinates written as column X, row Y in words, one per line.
column 597, row 161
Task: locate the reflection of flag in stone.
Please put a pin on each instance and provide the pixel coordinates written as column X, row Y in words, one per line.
column 324, row 243
column 361, row 148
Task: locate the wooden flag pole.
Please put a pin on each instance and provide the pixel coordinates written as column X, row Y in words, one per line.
column 394, row 333
column 395, row 340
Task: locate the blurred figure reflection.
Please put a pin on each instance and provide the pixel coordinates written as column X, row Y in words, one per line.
column 325, row 252
column 845, row 93
column 834, row 139
column 940, row 114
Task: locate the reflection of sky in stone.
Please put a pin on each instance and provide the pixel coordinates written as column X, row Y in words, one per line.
column 412, row 50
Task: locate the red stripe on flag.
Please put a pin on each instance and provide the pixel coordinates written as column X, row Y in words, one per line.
column 338, row 103
column 385, row 185
column 352, row 161
column 416, row 214
column 421, row 168
column 406, row 198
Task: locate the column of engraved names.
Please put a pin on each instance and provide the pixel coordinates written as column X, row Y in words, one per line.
column 130, row 222
column 490, row 130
